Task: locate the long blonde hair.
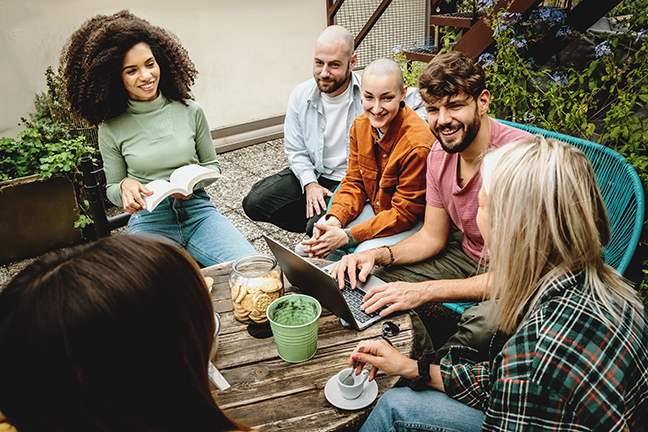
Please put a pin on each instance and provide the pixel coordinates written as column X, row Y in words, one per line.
column 545, row 217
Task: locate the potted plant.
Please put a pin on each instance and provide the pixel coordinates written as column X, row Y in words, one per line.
column 40, row 184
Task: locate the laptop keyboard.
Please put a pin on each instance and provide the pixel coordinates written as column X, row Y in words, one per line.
column 354, row 300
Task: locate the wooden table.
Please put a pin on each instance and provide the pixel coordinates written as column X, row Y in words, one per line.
column 271, row 394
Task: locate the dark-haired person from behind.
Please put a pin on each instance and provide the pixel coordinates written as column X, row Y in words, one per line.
column 104, row 337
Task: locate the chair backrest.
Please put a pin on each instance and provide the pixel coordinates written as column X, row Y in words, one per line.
column 102, row 224
column 621, row 189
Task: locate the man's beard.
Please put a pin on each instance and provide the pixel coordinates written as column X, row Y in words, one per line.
column 470, row 132
column 335, row 85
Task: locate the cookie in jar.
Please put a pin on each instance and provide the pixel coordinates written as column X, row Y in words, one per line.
column 255, row 282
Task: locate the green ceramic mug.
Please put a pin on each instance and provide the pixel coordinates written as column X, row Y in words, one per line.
column 294, row 320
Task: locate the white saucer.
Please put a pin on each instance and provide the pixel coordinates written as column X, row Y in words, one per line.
column 333, row 395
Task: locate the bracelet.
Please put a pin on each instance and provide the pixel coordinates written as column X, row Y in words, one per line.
column 391, row 256
column 381, row 260
column 421, row 381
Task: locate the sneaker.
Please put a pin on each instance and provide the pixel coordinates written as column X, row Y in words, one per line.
column 300, row 250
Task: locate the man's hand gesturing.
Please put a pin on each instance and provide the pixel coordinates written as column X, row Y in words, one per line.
column 315, row 203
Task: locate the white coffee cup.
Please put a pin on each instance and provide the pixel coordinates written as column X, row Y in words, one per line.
column 354, row 390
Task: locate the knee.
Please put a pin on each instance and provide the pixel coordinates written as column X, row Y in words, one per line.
column 389, row 403
column 251, row 204
column 382, row 416
column 392, row 404
column 475, row 327
column 475, row 319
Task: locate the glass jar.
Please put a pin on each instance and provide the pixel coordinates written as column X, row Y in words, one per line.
column 255, row 282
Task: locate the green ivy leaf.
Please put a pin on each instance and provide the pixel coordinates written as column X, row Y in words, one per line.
column 83, row 222
column 590, row 129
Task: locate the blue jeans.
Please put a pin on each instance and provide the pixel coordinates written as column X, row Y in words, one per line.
column 403, row 409
column 196, row 225
column 368, row 213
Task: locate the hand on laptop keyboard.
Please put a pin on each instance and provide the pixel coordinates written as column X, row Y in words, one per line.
column 354, row 300
column 354, row 267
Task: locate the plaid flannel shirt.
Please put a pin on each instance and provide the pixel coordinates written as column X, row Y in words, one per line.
column 563, row 370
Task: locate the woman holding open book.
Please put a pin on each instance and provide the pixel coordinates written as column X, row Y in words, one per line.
column 133, row 80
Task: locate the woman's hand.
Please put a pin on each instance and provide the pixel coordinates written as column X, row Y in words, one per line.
column 381, row 355
column 326, row 238
column 132, row 191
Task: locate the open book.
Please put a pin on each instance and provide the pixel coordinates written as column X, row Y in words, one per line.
column 181, row 181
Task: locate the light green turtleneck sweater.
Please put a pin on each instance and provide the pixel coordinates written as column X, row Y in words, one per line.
column 151, row 139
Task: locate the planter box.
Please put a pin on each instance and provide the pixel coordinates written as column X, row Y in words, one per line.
column 36, row 216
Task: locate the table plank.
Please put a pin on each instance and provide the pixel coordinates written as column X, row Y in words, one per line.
column 271, row 394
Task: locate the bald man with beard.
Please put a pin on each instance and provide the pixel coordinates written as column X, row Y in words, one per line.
column 316, row 139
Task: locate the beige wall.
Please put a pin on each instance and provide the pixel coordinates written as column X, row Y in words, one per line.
column 249, row 53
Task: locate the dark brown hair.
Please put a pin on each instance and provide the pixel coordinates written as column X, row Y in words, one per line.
column 449, row 74
column 92, row 62
column 113, row 336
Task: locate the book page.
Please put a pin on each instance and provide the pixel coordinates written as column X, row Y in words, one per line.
column 161, row 189
column 187, row 176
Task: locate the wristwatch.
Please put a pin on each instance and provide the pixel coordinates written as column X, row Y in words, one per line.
column 421, row 381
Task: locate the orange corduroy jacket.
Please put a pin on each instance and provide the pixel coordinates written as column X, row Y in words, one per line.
column 389, row 172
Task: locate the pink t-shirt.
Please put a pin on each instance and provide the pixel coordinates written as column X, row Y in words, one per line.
column 443, row 190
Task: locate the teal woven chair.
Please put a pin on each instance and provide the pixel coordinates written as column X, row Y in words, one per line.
column 622, row 192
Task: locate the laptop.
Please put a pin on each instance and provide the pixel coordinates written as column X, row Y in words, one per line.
column 317, row 282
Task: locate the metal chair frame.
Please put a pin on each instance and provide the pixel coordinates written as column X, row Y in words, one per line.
column 103, row 225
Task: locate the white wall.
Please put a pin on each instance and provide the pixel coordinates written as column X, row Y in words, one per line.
column 249, row 53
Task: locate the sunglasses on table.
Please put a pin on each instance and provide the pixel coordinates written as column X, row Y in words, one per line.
column 389, row 329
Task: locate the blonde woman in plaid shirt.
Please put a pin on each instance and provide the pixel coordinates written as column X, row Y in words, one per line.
column 572, row 350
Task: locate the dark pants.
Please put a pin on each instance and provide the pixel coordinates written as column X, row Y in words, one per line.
column 436, row 326
column 279, row 199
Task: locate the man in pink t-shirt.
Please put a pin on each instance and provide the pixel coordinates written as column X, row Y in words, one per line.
column 443, row 261
column 444, row 190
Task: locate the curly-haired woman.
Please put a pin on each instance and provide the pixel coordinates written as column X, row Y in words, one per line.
column 133, row 80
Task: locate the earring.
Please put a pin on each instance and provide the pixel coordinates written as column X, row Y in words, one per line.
column 402, row 104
